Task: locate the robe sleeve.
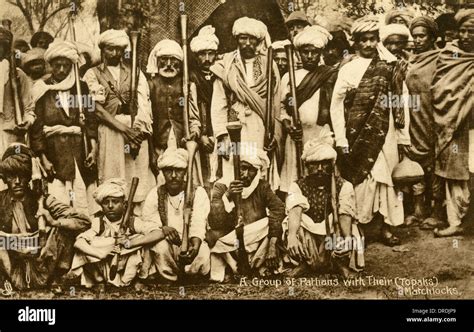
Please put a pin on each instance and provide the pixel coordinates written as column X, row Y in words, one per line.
column 276, row 211
column 296, row 198
column 403, row 134
column 219, row 109
column 201, row 208
column 27, row 98
column 337, row 107
column 143, row 120
column 150, row 208
column 194, row 121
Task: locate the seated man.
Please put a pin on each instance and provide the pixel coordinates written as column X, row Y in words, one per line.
column 25, row 259
column 310, row 229
column 165, row 206
column 261, row 230
column 98, row 245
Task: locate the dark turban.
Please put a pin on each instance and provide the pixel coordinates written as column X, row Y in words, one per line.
column 38, row 35
column 17, row 160
column 426, row 22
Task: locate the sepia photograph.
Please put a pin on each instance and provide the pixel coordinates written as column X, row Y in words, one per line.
column 236, row 150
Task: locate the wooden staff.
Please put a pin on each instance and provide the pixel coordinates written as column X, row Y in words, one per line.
column 295, row 113
column 269, row 116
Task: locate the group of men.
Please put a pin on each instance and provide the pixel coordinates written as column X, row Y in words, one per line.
column 90, row 137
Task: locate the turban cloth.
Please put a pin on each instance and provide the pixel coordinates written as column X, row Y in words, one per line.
column 41, row 35
column 463, row 15
column 17, row 160
column 205, row 40
column 393, row 29
column 426, row 22
column 365, row 24
column 166, row 47
column 313, row 35
column 113, row 187
column 320, row 148
column 280, row 44
column 251, row 27
column 64, row 49
column 405, row 14
column 113, row 37
column 257, row 158
column 173, row 158
column 32, row 55
column 5, row 35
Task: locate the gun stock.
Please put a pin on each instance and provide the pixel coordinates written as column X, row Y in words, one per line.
column 124, row 224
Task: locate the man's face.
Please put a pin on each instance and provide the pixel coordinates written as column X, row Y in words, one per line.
column 310, row 56
column 424, row 41
column 281, row 61
column 60, row 68
column 17, row 184
column 466, row 35
column 112, row 54
column 168, row 66
column 206, row 58
column 247, row 46
column 367, row 44
column 320, row 170
column 296, row 28
column 332, row 56
column 398, row 20
column 175, row 178
column 450, row 35
column 247, row 173
column 43, row 43
column 396, row 44
column 4, row 49
column 113, row 207
column 36, row 69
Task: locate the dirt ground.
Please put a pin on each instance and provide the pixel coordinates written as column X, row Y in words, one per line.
column 422, row 267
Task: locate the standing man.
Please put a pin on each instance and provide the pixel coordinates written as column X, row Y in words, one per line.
column 240, row 90
column 279, row 55
column 164, row 207
column 41, row 39
column 313, row 95
column 34, row 65
column 56, row 135
column 454, row 125
column 204, row 46
column 165, row 65
column 109, row 84
column 364, row 127
column 296, row 22
column 419, row 78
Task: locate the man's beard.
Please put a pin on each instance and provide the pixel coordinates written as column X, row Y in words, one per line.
column 247, row 52
column 319, row 180
column 113, row 62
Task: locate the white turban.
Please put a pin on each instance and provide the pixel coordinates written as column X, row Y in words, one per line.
column 165, row 47
column 205, row 40
column 320, row 148
column 64, row 49
column 114, row 38
column 365, row 24
column 312, row 35
column 393, row 29
column 257, row 158
column 35, row 53
column 252, row 27
column 113, row 187
column 175, row 158
column 280, row 44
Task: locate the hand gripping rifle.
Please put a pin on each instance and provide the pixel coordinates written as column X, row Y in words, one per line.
column 234, row 130
column 295, row 114
column 124, row 224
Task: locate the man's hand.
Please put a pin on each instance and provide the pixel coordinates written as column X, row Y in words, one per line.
column 21, row 129
column 295, row 133
column 132, row 135
column 271, row 146
column 49, row 168
column 235, row 188
column 193, row 250
column 293, row 247
column 91, row 158
column 272, row 259
column 171, row 234
column 42, row 212
column 288, row 104
column 403, row 150
column 207, row 144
